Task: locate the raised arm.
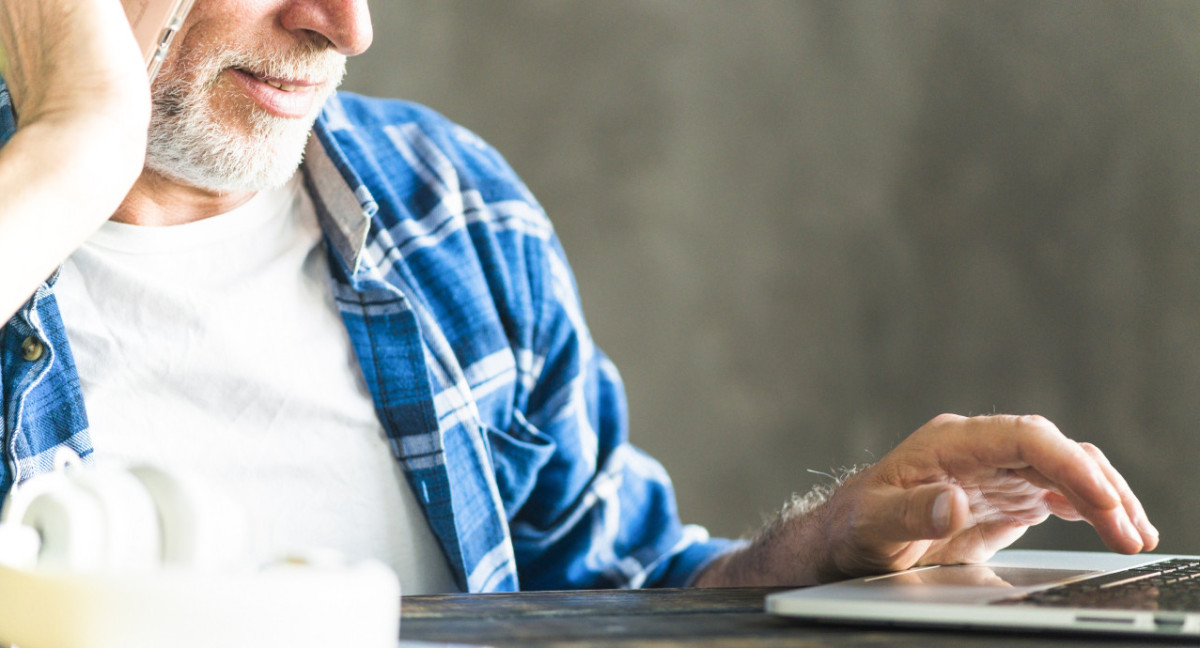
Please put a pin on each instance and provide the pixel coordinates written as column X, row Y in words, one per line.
column 77, row 85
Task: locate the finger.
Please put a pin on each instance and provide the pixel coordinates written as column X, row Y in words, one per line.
column 925, row 512
column 1115, row 526
column 1062, row 507
column 1037, row 479
column 1132, row 506
column 1034, row 442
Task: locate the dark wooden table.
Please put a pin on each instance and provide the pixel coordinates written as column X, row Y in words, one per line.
column 669, row 618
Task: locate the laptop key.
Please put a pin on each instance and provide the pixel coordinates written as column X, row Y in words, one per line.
column 1172, row 585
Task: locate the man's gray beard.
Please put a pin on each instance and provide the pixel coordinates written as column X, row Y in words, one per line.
column 188, row 143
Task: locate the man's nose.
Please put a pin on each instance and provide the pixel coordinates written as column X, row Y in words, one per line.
column 346, row 24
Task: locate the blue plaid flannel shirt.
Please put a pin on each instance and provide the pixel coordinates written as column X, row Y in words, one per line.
column 507, row 420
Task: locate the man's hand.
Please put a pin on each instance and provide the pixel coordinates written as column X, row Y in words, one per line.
column 73, row 59
column 956, row 491
column 82, row 100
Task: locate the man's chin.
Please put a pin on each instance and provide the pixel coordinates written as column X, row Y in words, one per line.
column 223, row 164
column 207, row 184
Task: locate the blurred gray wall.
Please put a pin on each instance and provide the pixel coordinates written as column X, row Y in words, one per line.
column 802, row 229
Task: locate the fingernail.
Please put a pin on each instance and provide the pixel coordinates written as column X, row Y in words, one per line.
column 941, row 511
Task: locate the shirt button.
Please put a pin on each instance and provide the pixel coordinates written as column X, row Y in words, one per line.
column 32, row 349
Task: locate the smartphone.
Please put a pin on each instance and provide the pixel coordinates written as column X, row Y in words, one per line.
column 155, row 23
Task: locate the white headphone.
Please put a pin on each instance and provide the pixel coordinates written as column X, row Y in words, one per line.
column 100, row 557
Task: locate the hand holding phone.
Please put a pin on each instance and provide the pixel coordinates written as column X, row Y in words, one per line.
column 62, row 55
column 77, row 82
column 154, row 23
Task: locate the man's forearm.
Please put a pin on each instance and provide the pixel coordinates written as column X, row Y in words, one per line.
column 59, row 182
column 786, row 552
column 791, row 548
column 77, row 83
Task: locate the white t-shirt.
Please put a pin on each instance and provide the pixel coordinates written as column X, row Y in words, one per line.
column 216, row 346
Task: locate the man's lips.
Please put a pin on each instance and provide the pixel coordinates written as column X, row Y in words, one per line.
column 291, row 98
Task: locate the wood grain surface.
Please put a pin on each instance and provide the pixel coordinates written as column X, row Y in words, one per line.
column 732, row 618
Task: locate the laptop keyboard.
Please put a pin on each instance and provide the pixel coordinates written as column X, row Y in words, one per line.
column 1169, row 585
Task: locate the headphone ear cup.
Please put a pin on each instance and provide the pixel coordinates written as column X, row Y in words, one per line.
column 130, row 539
column 68, row 521
column 19, row 546
column 198, row 529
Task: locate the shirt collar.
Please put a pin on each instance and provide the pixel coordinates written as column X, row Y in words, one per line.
column 345, row 206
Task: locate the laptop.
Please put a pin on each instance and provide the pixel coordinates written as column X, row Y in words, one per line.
column 1145, row 594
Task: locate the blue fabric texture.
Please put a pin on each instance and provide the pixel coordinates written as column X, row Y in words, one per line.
column 507, row 420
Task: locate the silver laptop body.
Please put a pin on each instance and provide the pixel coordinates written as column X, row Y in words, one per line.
column 1001, row 593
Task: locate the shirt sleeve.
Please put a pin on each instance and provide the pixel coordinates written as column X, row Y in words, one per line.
column 585, row 508
column 601, row 513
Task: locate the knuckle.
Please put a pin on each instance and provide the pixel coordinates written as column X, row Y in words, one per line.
column 945, row 419
column 1035, row 421
column 1096, row 454
column 1037, row 424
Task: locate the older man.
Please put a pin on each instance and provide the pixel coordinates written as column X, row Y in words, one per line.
column 381, row 349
